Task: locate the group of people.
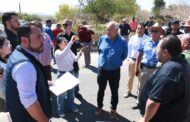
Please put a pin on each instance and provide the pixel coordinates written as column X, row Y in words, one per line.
column 26, row 52
column 158, row 58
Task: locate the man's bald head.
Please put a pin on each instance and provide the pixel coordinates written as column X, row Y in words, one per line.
column 112, row 29
column 185, row 41
column 113, row 24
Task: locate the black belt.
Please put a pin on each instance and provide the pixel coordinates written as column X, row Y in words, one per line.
column 134, row 59
column 66, row 71
column 148, row 66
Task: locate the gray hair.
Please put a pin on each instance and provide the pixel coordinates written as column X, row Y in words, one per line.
column 113, row 24
column 2, row 33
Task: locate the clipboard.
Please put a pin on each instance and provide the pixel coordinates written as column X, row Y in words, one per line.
column 64, row 83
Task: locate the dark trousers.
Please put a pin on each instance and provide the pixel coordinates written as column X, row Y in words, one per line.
column 47, row 70
column 76, row 74
column 113, row 77
column 2, row 105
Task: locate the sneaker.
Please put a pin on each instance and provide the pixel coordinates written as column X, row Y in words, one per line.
column 98, row 111
column 128, row 94
column 62, row 115
column 135, row 107
column 75, row 110
column 113, row 114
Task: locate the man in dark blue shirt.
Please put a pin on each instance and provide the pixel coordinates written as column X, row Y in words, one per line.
column 165, row 96
column 112, row 52
column 47, row 29
column 11, row 23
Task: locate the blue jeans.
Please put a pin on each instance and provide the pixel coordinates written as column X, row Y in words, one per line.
column 76, row 74
column 69, row 95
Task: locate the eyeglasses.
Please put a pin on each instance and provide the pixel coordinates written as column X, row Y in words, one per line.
column 154, row 31
column 187, row 27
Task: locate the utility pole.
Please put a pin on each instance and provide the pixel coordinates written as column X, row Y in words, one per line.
column 20, row 9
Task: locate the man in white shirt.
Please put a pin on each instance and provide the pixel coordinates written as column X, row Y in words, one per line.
column 132, row 55
column 27, row 93
column 45, row 56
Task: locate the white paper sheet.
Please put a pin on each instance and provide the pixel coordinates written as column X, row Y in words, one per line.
column 64, row 83
column 5, row 117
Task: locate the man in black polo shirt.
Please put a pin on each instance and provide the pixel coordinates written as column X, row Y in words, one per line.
column 165, row 96
column 11, row 23
column 175, row 28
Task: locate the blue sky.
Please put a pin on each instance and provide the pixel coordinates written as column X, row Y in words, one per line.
column 49, row 7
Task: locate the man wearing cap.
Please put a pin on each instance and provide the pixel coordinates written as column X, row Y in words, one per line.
column 187, row 26
column 175, row 26
column 148, row 25
column 150, row 22
column 147, row 55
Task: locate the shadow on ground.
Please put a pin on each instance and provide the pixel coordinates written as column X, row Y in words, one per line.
column 92, row 68
column 131, row 95
column 86, row 114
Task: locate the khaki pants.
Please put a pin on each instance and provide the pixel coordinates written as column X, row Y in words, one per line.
column 145, row 74
column 87, row 57
column 131, row 75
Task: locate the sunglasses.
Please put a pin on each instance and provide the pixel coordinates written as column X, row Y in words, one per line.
column 65, row 25
column 154, row 31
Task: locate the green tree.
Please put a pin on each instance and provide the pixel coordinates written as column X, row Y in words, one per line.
column 65, row 11
column 29, row 17
column 104, row 10
column 158, row 6
column 0, row 19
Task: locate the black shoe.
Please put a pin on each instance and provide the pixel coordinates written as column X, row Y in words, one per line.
column 136, row 107
column 78, row 96
column 127, row 95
